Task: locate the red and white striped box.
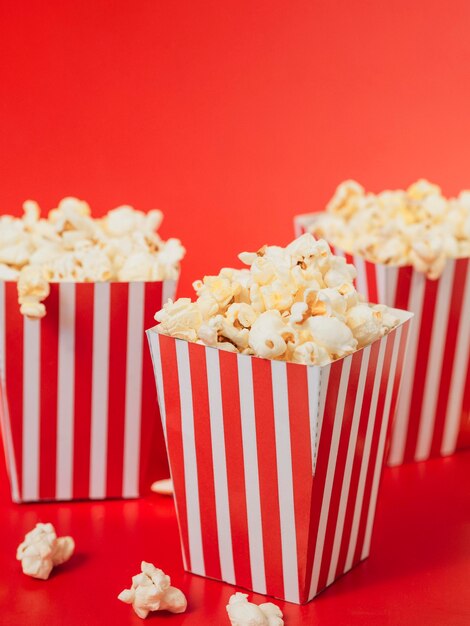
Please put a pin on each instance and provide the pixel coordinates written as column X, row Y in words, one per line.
column 276, row 465
column 78, row 410
column 433, row 411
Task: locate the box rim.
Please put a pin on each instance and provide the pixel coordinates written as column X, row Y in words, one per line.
column 403, row 316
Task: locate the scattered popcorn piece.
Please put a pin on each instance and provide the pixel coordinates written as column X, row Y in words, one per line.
column 418, row 227
column 294, row 304
column 163, row 487
column 244, row 613
column 42, row 550
column 72, row 246
column 151, row 591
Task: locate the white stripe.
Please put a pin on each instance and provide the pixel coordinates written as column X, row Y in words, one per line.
column 168, row 291
column 155, row 351
column 154, row 340
column 65, row 392
column 391, row 281
column 31, row 426
column 99, row 391
column 285, row 481
column 435, row 362
column 313, row 386
column 361, row 280
column 250, row 462
column 330, row 474
column 365, row 457
column 459, row 373
column 324, row 378
column 402, row 414
column 381, row 447
column 382, row 282
column 133, row 400
column 222, row 507
column 337, row 251
column 348, row 466
column 5, row 413
column 190, row 459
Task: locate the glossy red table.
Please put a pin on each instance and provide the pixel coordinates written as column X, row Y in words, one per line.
column 418, row 573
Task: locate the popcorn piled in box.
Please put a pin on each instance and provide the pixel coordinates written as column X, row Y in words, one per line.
column 81, row 367
column 262, row 376
column 296, row 304
column 411, row 250
column 70, row 245
column 417, row 227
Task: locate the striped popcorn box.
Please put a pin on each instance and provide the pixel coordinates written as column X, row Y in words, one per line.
column 276, row 465
column 78, row 412
column 433, row 411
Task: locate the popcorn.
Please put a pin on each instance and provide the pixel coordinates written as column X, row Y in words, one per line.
column 42, row 550
column 180, row 319
column 72, row 246
column 269, row 335
column 244, row 613
column 333, row 335
column 311, row 353
column 163, row 487
column 418, row 227
column 294, row 304
column 151, row 591
column 32, row 289
column 8, row 273
column 365, row 322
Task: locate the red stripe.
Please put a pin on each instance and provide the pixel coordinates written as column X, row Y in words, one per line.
column 119, row 298
column 402, row 292
column 267, row 468
column 235, row 468
column 84, row 298
column 372, row 281
column 379, row 416
column 153, row 459
column 48, row 395
column 358, row 454
column 340, row 467
column 301, row 452
column 463, row 440
column 174, row 435
column 14, row 373
column 424, row 342
column 324, row 444
column 455, row 312
column 205, row 471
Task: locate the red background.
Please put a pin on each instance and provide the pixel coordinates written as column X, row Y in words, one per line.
column 230, row 116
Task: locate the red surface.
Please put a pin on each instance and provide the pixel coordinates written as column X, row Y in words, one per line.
column 230, row 116
column 417, row 573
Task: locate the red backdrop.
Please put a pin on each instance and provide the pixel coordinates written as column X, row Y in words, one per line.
column 229, row 116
